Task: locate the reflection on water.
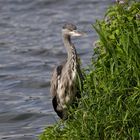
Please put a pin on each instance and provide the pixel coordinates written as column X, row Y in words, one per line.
column 30, row 47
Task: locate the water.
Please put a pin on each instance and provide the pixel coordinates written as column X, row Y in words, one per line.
column 30, row 47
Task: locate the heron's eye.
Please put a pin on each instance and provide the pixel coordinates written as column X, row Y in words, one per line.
column 70, row 29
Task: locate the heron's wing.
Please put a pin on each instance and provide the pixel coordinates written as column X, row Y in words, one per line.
column 54, row 80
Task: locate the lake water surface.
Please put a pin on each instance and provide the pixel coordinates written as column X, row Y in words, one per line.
column 30, row 47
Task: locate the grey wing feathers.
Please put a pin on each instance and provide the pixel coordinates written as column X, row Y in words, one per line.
column 54, row 80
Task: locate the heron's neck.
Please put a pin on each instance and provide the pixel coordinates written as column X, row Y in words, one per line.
column 72, row 54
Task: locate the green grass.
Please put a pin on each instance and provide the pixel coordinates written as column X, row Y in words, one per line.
column 110, row 106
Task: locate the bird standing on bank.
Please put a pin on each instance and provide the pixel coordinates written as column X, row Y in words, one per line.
column 64, row 87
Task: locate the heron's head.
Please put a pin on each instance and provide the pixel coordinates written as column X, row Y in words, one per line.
column 71, row 30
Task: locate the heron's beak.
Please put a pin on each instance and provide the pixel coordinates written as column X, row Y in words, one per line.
column 77, row 33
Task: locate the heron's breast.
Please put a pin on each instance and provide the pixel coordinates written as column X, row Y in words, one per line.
column 66, row 87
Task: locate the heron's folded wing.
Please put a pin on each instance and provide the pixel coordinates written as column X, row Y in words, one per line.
column 54, row 80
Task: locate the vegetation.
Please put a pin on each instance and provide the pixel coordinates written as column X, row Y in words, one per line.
column 110, row 106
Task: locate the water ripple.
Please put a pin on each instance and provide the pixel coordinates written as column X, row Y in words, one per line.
column 30, row 48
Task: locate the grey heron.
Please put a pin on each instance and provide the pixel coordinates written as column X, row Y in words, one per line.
column 64, row 87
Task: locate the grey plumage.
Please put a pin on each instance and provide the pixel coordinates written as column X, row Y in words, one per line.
column 64, row 87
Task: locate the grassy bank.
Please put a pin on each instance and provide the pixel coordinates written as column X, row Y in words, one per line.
column 110, row 106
